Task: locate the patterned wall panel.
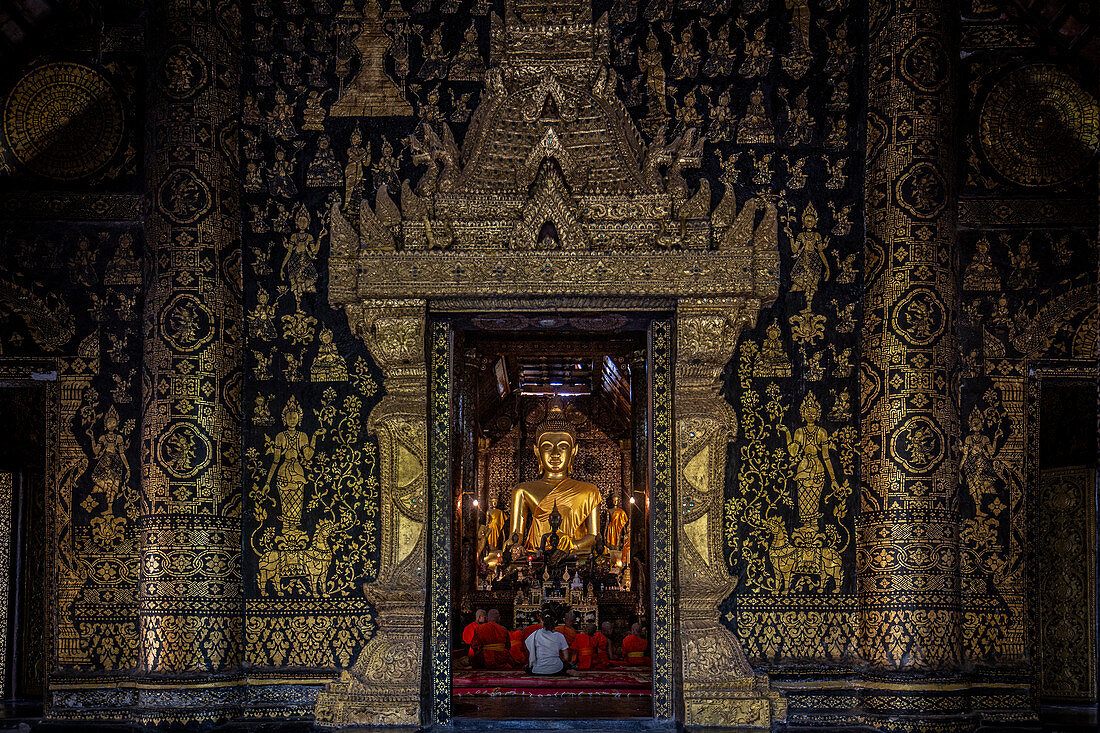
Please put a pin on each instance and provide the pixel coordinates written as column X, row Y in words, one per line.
column 1027, row 269
column 792, row 486
column 73, row 297
column 311, row 487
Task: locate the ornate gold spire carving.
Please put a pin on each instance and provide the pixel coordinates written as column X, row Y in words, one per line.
column 554, row 193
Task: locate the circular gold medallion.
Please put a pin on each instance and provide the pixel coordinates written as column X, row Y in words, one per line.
column 63, row 121
column 1038, row 127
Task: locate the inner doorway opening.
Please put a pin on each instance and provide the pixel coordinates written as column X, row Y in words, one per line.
column 24, row 550
column 541, row 529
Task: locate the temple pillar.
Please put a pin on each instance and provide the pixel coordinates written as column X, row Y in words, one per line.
column 383, row 686
column 907, row 527
column 190, row 606
column 719, row 686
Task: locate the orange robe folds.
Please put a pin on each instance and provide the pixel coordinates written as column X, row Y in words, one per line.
column 615, row 524
column 584, row 648
column 517, row 648
column 468, row 636
column 634, row 650
column 570, row 634
column 490, row 647
column 602, row 646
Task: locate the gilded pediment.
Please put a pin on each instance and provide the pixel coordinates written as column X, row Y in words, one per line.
column 553, row 190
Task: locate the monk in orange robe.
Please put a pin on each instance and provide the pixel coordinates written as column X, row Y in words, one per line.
column 584, row 648
column 517, row 649
column 634, row 647
column 468, row 632
column 601, row 644
column 566, row 629
column 490, row 647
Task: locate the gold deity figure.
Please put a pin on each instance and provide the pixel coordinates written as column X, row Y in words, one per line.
column 617, row 532
column 577, row 502
column 112, row 470
column 811, row 446
column 810, row 266
column 977, row 460
column 292, row 449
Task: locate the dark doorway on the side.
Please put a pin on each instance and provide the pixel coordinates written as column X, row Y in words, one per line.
column 24, row 547
column 1066, row 546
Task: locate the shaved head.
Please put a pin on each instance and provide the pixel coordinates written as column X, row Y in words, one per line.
column 479, row 615
column 494, row 616
column 605, row 627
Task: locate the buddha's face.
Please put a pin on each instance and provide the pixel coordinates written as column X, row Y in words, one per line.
column 555, row 452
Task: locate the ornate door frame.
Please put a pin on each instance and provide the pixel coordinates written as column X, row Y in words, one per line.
column 691, row 427
column 661, row 517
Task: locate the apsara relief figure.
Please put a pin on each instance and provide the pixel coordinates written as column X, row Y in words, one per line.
column 811, row 446
column 291, row 450
column 112, row 470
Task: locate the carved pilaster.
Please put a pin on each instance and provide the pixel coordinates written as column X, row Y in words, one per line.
column 719, row 686
column 190, row 606
column 909, row 610
column 383, row 688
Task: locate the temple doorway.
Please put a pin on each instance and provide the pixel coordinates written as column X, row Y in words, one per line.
column 536, row 534
column 24, row 549
column 1064, row 418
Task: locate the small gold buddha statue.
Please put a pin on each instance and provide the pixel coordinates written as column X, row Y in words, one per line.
column 577, row 502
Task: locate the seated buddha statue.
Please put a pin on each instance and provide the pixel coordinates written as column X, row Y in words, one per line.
column 555, row 546
column 577, row 502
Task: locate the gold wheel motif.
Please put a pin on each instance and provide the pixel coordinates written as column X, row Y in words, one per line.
column 1038, row 127
column 63, row 121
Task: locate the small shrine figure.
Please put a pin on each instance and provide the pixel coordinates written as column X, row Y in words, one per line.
column 772, row 361
column 617, row 532
column 797, row 61
column 329, row 366
column 280, row 177
column 758, row 58
column 435, row 57
column 981, row 274
column 652, row 63
column 469, row 65
column 314, row 113
column 358, row 161
column 554, row 546
column 687, row 56
column 722, row 57
column 977, row 460
column 490, row 536
column 323, row 170
column 509, row 554
column 263, row 317
column 1025, row 271
column 721, row 119
column 811, row 446
column 755, row 127
column 800, row 130
column 280, row 121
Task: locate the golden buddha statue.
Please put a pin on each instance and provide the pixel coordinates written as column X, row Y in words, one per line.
column 577, row 502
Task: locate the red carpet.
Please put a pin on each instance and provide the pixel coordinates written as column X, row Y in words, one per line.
column 613, row 683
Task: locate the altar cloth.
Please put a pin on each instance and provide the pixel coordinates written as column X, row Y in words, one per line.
column 612, row 683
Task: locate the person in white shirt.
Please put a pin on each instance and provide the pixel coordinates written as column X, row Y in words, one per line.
column 547, row 650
